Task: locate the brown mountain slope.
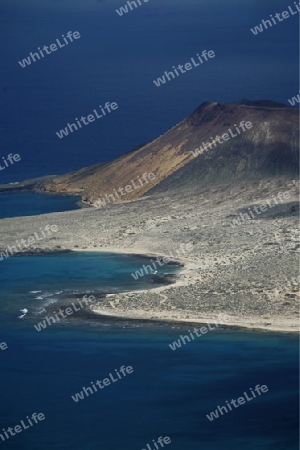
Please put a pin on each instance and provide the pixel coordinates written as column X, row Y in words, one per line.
column 269, row 148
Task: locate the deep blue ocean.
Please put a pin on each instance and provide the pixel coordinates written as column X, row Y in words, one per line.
column 168, row 394
column 17, row 204
column 116, row 60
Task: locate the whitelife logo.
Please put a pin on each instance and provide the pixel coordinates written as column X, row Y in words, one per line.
column 49, row 320
column 165, row 260
column 25, row 243
column 292, row 101
column 124, row 9
column 221, row 139
column 90, row 118
column 198, row 332
column 280, row 198
column 109, row 198
column 267, row 23
column 161, row 441
column 53, row 47
column 106, row 382
column 11, row 158
column 236, row 403
column 183, row 69
column 24, row 426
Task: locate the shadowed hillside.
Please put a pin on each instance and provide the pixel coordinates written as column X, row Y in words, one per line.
column 268, row 149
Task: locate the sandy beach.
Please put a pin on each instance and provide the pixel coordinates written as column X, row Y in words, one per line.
column 243, row 271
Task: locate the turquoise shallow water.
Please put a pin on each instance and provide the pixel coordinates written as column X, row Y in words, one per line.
column 168, row 394
column 117, row 59
column 37, row 282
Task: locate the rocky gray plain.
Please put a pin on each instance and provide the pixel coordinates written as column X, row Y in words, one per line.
column 249, row 272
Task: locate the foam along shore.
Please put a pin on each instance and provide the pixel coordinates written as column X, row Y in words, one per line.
column 224, row 273
column 251, row 323
column 136, row 305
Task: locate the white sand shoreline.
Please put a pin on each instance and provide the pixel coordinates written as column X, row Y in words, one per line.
column 232, row 325
column 278, row 325
column 242, row 272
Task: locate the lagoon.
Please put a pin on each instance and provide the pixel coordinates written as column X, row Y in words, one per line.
column 168, row 394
